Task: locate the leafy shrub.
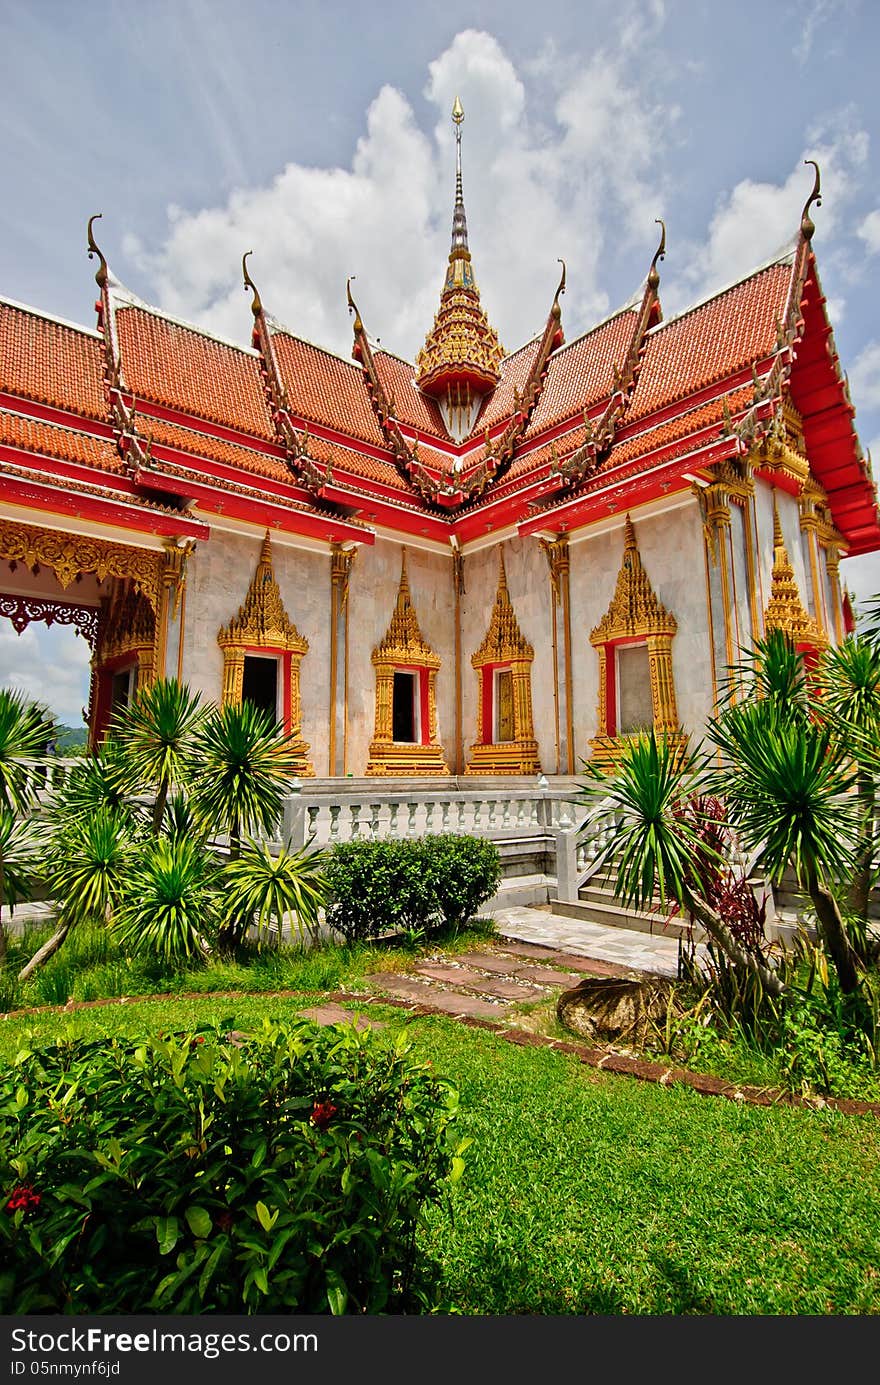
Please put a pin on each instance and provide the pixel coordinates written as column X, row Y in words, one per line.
column 464, row 873
column 410, row 886
column 281, row 1171
column 379, row 887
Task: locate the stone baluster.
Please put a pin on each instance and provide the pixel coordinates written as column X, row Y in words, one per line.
column 355, row 811
column 411, row 821
column 392, row 820
column 375, row 809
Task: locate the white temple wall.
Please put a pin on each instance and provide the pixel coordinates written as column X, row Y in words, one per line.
column 789, row 518
column 671, row 548
column 375, row 577
column 218, row 576
column 528, row 583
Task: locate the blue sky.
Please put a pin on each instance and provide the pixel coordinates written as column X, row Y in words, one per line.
column 318, row 134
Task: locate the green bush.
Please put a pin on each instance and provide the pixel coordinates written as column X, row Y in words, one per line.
column 281, row 1171
column 410, row 886
column 464, row 872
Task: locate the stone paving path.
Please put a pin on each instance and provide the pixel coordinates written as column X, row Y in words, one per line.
column 655, row 953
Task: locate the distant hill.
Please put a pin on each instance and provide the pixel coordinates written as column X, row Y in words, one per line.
column 72, row 739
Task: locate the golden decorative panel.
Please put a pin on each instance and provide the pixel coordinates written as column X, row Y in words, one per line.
column 506, row 646
column 262, row 623
column 785, row 610
column 403, row 647
column 635, row 613
column 70, row 554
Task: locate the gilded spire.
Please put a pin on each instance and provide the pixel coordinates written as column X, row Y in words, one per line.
column 504, row 640
column 403, row 642
column 785, row 610
column 460, row 361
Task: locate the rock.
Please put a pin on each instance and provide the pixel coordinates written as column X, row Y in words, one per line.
column 614, row 1010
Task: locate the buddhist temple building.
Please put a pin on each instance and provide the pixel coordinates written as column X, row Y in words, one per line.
column 485, row 562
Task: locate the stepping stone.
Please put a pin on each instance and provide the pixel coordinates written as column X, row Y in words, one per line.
column 572, row 961
column 548, row 976
column 335, row 1014
column 422, row 993
column 473, row 981
column 487, row 961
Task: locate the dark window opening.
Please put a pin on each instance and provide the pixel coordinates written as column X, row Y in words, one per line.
column 121, row 690
column 403, row 708
column 260, row 684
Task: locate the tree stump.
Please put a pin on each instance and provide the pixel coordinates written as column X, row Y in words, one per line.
column 615, row 1010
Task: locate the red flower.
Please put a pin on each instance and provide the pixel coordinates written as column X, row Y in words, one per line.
column 198, row 1039
column 23, row 1200
column 225, row 1221
column 322, row 1114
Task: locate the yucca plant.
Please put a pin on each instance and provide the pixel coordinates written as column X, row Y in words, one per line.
column 170, row 905
column 770, row 671
column 848, row 685
column 261, row 890
column 94, row 783
column 91, row 862
column 787, row 784
column 246, row 766
column 25, row 728
column 157, row 737
column 657, row 847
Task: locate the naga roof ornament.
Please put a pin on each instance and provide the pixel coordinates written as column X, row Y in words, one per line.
column 462, row 349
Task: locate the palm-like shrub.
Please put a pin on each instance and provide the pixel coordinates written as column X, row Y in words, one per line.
column 655, row 842
column 246, row 767
column 25, row 728
column 89, row 875
column 261, row 890
column 157, row 737
column 848, row 685
column 171, row 898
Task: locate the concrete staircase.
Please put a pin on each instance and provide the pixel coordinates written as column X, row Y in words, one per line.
column 597, row 903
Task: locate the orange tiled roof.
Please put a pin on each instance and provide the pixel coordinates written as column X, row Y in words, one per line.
column 183, row 369
column 359, row 463
column 580, row 374
column 680, row 426
column 515, row 370
column 64, row 444
column 216, row 449
column 51, row 363
column 325, row 389
column 712, row 340
column 418, row 410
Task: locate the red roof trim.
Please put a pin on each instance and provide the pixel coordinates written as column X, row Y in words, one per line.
column 42, row 495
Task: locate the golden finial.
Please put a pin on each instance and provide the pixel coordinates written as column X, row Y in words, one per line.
column 101, row 272
column 256, row 305
column 659, row 254
column 352, row 306
column 629, row 536
column 457, row 111
column 502, row 571
column 807, row 226
column 556, row 310
column 778, row 539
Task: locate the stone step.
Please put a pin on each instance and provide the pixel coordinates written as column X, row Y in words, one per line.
column 464, row 978
column 421, row 992
column 573, row 961
column 335, row 1014
column 513, row 966
column 612, row 915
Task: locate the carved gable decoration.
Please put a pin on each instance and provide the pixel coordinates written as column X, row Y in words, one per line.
column 785, row 610
column 262, row 620
column 403, row 642
column 635, row 608
column 504, row 641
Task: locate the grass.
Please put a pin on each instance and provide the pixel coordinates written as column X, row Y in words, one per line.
column 586, row 1193
column 90, row 966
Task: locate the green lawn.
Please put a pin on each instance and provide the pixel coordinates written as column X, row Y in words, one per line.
column 589, row 1193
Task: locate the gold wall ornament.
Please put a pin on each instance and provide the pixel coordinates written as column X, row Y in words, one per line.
column 70, row 554
column 341, row 562
column 403, row 649
column 635, row 616
column 127, row 638
column 263, row 627
column 785, row 610
column 782, row 448
column 503, row 665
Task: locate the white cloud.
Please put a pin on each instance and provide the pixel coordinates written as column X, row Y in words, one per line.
column 755, row 220
column 543, row 177
column 869, row 232
column 50, row 665
column 864, row 377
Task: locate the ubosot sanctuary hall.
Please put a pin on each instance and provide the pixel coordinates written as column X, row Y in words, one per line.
column 482, row 563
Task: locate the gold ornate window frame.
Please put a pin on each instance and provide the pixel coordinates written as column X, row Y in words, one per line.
column 635, row 616
column 262, row 627
column 504, row 648
column 404, row 650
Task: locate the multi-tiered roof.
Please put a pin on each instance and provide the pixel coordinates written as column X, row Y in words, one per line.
column 156, row 425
